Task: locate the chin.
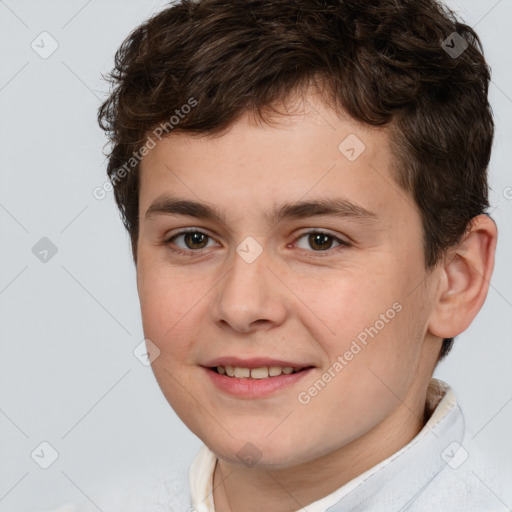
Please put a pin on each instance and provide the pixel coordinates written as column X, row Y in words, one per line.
column 252, row 450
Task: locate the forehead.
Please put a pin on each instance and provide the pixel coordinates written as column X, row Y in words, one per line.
column 312, row 153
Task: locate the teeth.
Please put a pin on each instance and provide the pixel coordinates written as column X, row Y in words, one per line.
column 259, row 373
column 242, row 372
column 274, row 371
column 255, row 373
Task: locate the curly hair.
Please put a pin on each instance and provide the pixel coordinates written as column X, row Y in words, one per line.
column 384, row 62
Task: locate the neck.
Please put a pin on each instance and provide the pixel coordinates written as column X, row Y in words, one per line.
column 238, row 488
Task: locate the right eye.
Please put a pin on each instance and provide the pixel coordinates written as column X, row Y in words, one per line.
column 193, row 239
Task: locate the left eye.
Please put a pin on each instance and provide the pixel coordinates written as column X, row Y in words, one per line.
column 320, row 241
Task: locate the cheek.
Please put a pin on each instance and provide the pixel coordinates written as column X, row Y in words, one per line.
column 366, row 321
column 167, row 304
column 370, row 364
column 349, row 306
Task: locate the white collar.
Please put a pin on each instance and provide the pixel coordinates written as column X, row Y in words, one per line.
column 402, row 476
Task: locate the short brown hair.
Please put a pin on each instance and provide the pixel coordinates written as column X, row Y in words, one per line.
column 384, row 62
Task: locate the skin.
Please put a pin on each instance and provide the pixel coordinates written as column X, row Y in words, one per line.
column 296, row 302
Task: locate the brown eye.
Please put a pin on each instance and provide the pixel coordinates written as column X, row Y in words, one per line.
column 192, row 241
column 319, row 241
column 195, row 240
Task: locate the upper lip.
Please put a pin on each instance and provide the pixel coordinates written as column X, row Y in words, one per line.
column 255, row 362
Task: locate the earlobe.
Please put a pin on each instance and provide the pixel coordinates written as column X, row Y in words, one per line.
column 464, row 282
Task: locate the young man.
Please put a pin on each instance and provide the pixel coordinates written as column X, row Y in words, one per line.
column 304, row 184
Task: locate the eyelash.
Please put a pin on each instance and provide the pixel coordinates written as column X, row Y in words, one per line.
column 319, row 254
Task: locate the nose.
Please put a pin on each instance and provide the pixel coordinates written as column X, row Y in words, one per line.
column 250, row 296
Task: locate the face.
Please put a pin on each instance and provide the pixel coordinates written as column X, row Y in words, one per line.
column 289, row 247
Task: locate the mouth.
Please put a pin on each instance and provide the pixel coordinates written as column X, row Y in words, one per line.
column 262, row 372
column 256, row 377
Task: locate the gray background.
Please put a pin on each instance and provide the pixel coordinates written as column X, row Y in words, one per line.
column 69, row 326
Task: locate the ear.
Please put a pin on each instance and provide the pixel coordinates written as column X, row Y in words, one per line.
column 465, row 275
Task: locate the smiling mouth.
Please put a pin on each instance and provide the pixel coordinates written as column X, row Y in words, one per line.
column 262, row 372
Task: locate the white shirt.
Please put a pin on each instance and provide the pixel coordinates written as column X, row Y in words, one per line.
column 439, row 470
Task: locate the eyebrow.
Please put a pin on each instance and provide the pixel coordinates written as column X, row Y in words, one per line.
column 336, row 207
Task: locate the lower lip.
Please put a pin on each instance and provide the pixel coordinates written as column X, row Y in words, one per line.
column 255, row 388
